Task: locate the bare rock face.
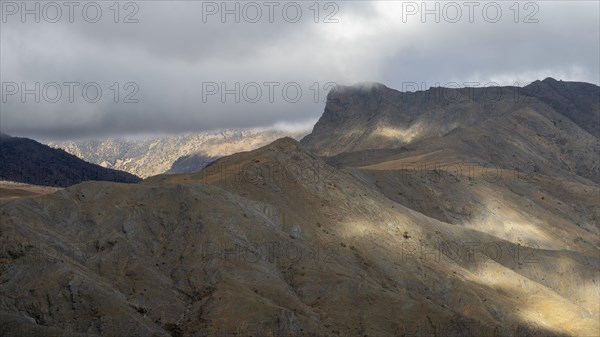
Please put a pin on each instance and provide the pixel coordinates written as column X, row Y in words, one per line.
column 549, row 125
column 438, row 236
column 580, row 102
column 173, row 154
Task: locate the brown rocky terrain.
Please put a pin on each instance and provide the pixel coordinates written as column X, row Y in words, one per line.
column 11, row 189
column 441, row 234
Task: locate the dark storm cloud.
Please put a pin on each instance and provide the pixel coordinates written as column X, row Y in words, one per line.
column 170, row 66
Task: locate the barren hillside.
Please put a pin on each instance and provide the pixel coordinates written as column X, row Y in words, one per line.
column 484, row 223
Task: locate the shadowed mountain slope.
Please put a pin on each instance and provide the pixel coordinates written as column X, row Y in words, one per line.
column 27, row 161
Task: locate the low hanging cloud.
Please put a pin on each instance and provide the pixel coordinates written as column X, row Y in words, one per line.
column 172, row 67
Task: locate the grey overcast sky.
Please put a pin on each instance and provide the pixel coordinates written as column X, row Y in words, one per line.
column 167, row 67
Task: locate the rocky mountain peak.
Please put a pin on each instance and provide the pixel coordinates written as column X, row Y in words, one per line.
column 359, row 119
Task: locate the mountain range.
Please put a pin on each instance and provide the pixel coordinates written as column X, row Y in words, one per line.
column 548, row 126
column 174, row 154
column 445, row 212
